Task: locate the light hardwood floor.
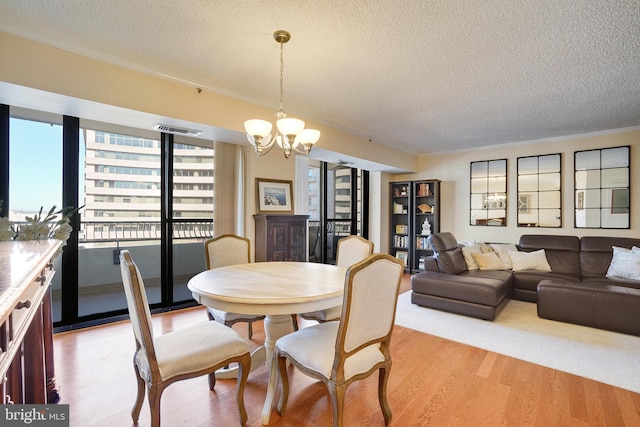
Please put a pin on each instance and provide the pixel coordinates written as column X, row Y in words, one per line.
column 434, row 382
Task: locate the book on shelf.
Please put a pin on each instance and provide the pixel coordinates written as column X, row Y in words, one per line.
column 400, row 241
column 423, row 190
column 422, row 242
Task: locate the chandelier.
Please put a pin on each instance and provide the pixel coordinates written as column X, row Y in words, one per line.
column 290, row 133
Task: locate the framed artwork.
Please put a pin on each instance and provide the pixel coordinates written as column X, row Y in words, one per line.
column 403, row 256
column 274, row 196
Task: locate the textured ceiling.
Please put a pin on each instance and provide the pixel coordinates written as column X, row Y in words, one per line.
column 422, row 76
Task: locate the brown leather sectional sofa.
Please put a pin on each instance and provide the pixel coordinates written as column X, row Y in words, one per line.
column 576, row 290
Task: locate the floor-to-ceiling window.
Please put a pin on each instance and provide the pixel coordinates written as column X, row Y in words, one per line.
column 140, row 190
column 192, row 212
column 337, row 205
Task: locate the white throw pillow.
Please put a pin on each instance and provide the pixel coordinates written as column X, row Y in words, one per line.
column 635, row 249
column 467, row 251
column 536, row 260
column 502, row 250
column 625, row 264
column 488, row 261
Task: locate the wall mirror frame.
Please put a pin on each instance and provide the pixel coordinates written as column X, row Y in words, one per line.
column 602, row 188
column 540, row 191
column 488, row 184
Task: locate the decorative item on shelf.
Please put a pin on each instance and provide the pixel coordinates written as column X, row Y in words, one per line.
column 399, row 208
column 39, row 227
column 402, row 229
column 426, row 227
column 290, row 134
column 425, row 208
column 403, row 256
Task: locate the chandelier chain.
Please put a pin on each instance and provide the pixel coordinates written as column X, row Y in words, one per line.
column 281, row 74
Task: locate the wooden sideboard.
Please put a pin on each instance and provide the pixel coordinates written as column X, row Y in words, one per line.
column 281, row 238
column 27, row 373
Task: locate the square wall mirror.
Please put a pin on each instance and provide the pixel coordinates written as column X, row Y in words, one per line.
column 602, row 186
column 489, row 193
column 539, row 191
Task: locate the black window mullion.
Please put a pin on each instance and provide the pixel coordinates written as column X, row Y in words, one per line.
column 354, row 202
column 364, row 182
column 70, row 186
column 4, row 156
column 166, row 218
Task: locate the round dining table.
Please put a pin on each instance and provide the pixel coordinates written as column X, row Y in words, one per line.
column 274, row 289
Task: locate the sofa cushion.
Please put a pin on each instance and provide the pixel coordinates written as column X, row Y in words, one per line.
column 470, row 287
column 535, row 260
column 625, row 264
column 529, row 279
column 610, row 307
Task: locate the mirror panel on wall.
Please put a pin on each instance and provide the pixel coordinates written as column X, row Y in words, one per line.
column 539, row 191
column 602, row 190
column 489, row 193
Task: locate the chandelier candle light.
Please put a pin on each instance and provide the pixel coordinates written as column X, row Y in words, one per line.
column 291, row 134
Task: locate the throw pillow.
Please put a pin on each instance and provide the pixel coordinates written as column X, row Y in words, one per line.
column 503, row 252
column 625, row 264
column 467, row 251
column 536, row 260
column 488, row 261
column 635, row 249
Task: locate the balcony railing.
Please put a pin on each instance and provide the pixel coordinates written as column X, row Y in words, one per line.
column 104, row 231
column 112, row 231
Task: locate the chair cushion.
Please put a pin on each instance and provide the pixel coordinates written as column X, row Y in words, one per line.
column 197, row 347
column 332, row 313
column 314, row 347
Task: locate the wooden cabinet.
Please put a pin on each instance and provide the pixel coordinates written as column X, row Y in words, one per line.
column 27, row 373
column 281, row 238
column 413, row 203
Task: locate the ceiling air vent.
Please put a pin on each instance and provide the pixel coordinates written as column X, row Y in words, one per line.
column 173, row 129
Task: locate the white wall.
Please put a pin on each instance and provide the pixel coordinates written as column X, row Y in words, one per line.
column 453, row 169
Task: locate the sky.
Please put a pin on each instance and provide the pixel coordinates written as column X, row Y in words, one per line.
column 35, row 159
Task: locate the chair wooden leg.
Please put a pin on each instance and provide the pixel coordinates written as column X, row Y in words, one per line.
column 155, row 393
column 250, row 329
column 212, row 380
column 382, row 394
column 244, row 366
column 137, row 406
column 284, row 379
column 294, row 320
column 337, row 402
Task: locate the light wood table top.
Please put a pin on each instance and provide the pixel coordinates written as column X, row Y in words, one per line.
column 270, row 287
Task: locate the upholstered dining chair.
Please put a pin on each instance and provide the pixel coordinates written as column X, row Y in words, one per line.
column 223, row 250
column 161, row 360
column 351, row 250
column 339, row 353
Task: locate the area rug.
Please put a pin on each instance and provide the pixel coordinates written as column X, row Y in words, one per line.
column 518, row 332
